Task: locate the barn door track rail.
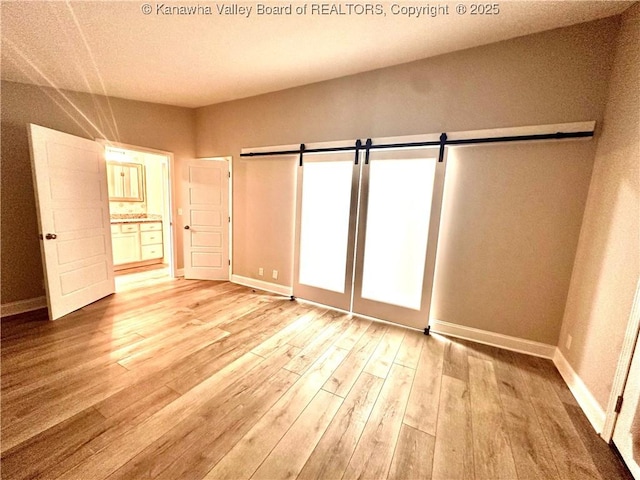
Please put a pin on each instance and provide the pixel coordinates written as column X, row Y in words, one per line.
column 562, row 131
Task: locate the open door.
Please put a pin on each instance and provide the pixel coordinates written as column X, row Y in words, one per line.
column 206, row 229
column 72, row 202
column 626, row 434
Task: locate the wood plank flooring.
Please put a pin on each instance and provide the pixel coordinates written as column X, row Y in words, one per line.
column 185, row 379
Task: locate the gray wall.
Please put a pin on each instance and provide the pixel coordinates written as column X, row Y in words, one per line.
column 528, row 200
column 607, row 265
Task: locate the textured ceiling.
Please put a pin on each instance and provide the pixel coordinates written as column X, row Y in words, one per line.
column 113, row 48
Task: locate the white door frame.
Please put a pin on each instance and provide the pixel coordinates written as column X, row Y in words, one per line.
column 173, row 260
column 624, row 365
column 230, row 161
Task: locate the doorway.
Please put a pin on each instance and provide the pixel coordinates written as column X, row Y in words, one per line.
column 140, row 212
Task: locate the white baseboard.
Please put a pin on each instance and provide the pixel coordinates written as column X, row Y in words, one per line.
column 587, row 402
column 179, row 272
column 494, row 339
column 589, row 405
column 22, row 306
column 262, row 285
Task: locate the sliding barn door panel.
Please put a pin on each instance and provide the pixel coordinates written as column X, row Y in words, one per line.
column 325, row 228
column 397, row 235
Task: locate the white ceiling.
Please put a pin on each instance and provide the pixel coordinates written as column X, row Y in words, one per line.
column 112, row 48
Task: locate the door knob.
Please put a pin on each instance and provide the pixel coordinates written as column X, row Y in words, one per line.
column 186, row 227
column 50, row 236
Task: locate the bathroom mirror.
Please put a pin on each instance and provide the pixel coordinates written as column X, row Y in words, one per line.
column 126, row 182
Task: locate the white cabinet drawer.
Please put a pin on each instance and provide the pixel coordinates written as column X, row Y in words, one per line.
column 128, row 227
column 150, row 226
column 150, row 238
column 115, row 228
column 151, row 251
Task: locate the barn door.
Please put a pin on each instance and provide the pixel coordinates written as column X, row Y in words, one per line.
column 383, row 266
column 400, row 202
column 325, row 228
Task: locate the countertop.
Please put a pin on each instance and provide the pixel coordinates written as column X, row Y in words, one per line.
column 136, row 219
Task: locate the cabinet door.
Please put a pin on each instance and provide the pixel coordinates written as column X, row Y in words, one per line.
column 126, row 248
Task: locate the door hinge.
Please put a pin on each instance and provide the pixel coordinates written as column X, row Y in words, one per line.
column 229, row 219
column 229, row 262
column 229, row 174
column 618, row 404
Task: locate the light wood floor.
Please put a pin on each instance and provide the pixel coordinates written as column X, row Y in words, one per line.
column 141, row 276
column 191, row 380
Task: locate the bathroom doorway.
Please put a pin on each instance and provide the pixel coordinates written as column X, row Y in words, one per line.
column 141, row 215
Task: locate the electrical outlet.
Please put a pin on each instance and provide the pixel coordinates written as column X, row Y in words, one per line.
column 261, row 271
column 275, row 274
column 568, row 342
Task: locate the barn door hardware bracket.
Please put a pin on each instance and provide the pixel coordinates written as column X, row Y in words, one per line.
column 302, row 148
column 443, row 143
column 358, row 146
column 368, row 149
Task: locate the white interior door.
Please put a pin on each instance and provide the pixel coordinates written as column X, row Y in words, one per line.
column 626, row 435
column 325, row 228
column 400, row 203
column 206, row 229
column 72, row 200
